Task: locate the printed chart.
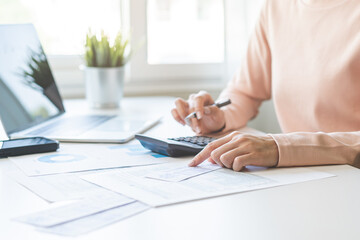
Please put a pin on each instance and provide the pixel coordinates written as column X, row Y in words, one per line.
column 83, row 157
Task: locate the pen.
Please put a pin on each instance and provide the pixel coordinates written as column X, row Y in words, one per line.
column 217, row 104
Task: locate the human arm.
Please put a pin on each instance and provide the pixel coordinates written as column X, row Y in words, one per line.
column 252, row 84
column 238, row 150
column 304, row 149
column 247, row 89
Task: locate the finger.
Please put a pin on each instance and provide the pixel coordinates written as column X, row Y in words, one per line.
column 202, row 99
column 208, row 99
column 212, row 161
column 217, row 162
column 230, row 152
column 205, row 153
column 199, row 106
column 208, row 110
column 217, row 154
column 182, row 107
column 195, row 125
column 241, row 161
column 211, row 110
column 177, row 117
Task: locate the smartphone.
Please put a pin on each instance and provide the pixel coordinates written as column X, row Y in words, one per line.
column 22, row 146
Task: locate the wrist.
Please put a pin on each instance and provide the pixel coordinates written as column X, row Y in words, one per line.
column 221, row 129
column 221, row 117
column 275, row 149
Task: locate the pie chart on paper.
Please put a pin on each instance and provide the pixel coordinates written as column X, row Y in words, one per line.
column 61, row 158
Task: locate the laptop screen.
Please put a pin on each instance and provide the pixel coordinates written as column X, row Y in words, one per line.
column 28, row 93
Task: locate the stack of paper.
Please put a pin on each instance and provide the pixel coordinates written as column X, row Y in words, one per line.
column 156, row 181
column 58, row 187
column 96, row 221
column 177, row 174
column 84, row 215
column 136, row 183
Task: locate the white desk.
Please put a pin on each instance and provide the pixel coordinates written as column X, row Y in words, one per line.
column 323, row 209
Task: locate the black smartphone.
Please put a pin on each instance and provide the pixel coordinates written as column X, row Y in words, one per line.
column 22, row 146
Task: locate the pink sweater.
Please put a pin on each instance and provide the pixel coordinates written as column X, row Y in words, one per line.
column 305, row 54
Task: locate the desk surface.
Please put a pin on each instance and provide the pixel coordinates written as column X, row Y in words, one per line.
column 322, row 209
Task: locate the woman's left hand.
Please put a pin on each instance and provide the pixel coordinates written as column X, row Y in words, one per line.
column 238, row 150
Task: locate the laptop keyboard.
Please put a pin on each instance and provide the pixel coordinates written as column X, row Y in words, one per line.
column 71, row 126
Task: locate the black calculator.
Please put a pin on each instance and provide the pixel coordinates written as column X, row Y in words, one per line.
column 175, row 147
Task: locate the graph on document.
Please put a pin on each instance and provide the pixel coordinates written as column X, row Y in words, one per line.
column 85, row 157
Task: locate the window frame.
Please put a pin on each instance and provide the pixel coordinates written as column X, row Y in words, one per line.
column 164, row 79
column 165, row 72
column 152, row 79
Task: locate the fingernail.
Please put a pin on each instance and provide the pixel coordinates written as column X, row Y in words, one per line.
column 207, row 111
column 191, row 164
column 199, row 115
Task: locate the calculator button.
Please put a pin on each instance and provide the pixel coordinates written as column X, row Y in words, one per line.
column 197, row 140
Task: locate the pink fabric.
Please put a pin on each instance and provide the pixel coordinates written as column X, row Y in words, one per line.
column 305, row 54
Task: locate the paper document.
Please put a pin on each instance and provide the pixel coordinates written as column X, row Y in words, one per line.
column 96, row 221
column 178, row 174
column 58, row 187
column 82, row 157
column 76, row 210
column 134, row 183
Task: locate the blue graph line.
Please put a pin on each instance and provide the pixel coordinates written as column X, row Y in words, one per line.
column 138, row 153
column 52, row 158
column 137, row 150
column 133, row 148
column 157, row 155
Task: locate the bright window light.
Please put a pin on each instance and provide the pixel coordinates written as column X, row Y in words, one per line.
column 185, row 31
column 63, row 24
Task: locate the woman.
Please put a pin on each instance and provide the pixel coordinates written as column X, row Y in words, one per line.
column 306, row 55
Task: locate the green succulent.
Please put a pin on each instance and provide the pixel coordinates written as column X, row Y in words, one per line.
column 101, row 53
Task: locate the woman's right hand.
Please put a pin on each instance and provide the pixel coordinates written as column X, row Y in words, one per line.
column 209, row 118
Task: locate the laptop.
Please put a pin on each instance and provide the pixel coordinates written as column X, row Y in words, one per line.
column 30, row 103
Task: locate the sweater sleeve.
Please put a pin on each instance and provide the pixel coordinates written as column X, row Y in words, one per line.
column 303, row 149
column 252, row 84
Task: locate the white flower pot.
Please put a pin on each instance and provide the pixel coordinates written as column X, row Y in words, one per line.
column 104, row 86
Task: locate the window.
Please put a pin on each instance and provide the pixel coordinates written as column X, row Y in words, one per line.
column 180, row 45
column 62, row 24
column 185, row 31
column 174, row 54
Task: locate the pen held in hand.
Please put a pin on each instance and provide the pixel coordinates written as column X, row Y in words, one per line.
column 217, row 104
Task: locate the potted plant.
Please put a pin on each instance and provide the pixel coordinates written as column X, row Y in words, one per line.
column 104, row 70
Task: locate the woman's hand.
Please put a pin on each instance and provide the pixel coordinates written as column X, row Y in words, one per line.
column 238, row 150
column 209, row 118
